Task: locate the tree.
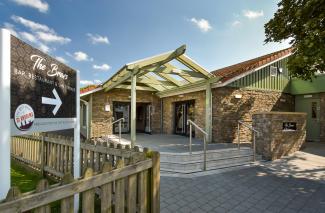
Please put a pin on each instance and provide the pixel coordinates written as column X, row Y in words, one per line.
column 302, row 21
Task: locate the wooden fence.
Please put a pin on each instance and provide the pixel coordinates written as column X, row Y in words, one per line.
column 131, row 188
column 53, row 155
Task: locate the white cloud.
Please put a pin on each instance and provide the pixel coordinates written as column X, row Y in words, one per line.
column 253, row 14
column 202, row 24
column 11, row 28
column 33, row 26
column 86, row 82
column 96, row 39
column 44, row 48
column 103, row 67
column 89, row 82
column 235, row 23
column 79, row 56
column 51, row 37
column 28, row 36
column 61, row 59
column 97, row 81
column 41, row 6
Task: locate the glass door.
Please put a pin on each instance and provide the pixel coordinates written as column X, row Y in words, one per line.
column 121, row 110
column 183, row 112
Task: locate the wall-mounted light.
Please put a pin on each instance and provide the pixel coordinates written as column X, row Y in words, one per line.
column 238, row 96
column 282, row 100
column 181, row 96
column 107, row 107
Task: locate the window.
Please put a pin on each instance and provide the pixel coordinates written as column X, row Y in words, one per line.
column 273, row 71
column 84, row 115
column 313, row 109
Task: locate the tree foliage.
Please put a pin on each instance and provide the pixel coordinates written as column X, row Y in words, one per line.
column 303, row 22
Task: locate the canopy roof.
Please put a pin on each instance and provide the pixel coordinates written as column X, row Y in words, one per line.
column 160, row 74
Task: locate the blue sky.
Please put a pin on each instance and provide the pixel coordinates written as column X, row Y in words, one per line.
column 98, row 37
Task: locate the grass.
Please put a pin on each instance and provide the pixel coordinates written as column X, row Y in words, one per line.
column 25, row 179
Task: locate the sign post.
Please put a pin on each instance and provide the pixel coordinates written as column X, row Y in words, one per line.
column 76, row 143
column 5, row 112
column 37, row 94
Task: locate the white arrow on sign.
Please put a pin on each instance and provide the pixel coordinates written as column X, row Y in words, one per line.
column 53, row 101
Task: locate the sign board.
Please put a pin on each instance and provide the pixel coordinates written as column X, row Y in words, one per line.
column 43, row 91
column 37, row 94
column 289, row 126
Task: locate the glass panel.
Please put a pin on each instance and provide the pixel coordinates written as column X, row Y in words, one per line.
column 313, row 109
column 121, row 110
column 84, row 115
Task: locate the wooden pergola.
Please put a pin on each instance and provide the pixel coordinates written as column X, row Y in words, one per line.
column 160, row 74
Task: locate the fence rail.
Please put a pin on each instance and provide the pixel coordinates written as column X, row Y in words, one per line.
column 132, row 188
column 53, row 155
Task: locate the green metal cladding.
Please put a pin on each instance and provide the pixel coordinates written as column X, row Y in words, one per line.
column 299, row 86
column 262, row 79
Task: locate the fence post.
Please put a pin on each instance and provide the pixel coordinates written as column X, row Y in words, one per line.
column 88, row 197
column 42, row 156
column 120, row 191
column 67, row 205
column 42, row 186
column 155, row 182
column 106, row 191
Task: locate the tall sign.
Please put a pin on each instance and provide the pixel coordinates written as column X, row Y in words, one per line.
column 43, row 91
column 37, row 94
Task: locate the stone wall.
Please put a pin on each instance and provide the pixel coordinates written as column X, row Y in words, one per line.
column 273, row 142
column 100, row 121
column 227, row 110
column 169, row 111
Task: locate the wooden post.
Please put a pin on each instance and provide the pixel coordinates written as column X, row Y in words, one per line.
column 106, row 195
column 88, row 197
column 42, row 156
column 67, row 203
column 133, row 105
column 120, row 191
column 131, row 196
column 155, row 183
column 42, row 186
column 208, row 111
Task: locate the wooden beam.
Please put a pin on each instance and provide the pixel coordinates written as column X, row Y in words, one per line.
column 208, row 111
column 158, row 60
column 188, row 88
column 170, row 79
column 187, row 61
column 133, row 106
column 180, row 74
column 143, row 88
column 110, row 85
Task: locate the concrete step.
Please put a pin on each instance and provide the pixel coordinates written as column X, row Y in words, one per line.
column 198, row 156
column 185, row 163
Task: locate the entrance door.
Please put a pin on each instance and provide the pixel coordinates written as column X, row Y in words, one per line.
column 121, row 110
column 143, row 117
column 183, row 112
column 311, row 105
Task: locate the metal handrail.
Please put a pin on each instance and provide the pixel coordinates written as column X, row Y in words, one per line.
column 119, row 127
column 254, row 134
column 189, row 122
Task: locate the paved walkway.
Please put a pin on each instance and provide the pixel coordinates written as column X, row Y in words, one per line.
column 293, row 184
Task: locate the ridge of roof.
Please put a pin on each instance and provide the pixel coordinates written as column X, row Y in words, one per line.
column 232, row 71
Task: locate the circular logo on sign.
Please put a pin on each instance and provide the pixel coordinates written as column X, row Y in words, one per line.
column 24, row 117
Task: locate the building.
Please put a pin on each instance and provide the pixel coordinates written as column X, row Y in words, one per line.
column 168, row 93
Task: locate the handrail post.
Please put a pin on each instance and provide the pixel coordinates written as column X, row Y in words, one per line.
column 238, row 135
column 119, row 130
column 190, row 138
column 205, row 154
column 254, row 147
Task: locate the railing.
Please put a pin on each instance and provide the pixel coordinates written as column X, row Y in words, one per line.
column 191, row 123
column 119, row 121
column 53, row 155
column 131, row 188
column 254, row 131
